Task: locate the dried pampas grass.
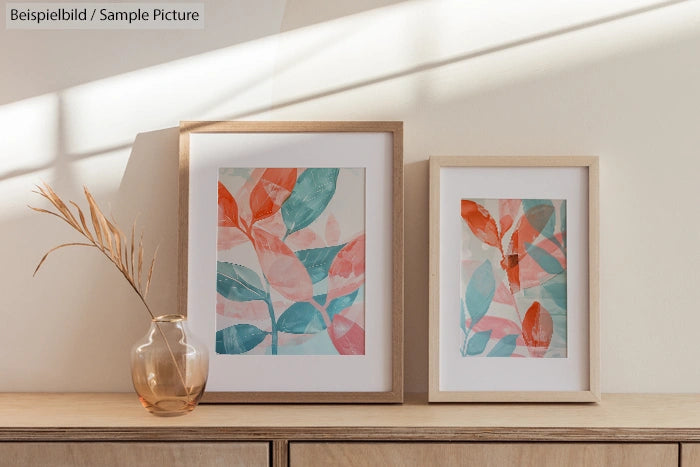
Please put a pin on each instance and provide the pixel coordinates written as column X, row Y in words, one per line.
column 106, row 236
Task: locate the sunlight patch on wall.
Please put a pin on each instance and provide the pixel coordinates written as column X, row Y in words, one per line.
column 110, row 112
column 30, row 128
column 382, row 60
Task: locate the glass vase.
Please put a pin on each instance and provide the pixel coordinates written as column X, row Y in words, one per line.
column 169, row 368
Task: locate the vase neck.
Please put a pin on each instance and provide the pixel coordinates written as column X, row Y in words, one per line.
column 168, row 319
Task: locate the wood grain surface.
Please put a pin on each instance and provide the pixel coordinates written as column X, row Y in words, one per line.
column 482, row 454
column 185, row 454
column 108, row 417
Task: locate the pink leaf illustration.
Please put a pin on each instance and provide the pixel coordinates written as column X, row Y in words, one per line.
column 332, row 231
column 281, row 267
column 499, row 327
column 228, row 237
column 347, row 272
column 347, row 336
column 503, row 295
column 273, row 224
column 253, row 311
column 355, row 313
column 304, row 239
column 507, row 212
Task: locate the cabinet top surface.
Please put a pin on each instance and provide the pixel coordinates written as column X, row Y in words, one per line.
column 39, row 410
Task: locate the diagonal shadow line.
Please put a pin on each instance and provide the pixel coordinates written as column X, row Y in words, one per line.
column 459, row 58
column 391, row 76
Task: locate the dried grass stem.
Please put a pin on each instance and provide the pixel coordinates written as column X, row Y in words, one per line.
column 112, row 243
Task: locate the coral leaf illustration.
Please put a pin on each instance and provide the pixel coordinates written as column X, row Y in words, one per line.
column 537, row 329
column 478, row 342
column 347, row 272
column 228, row 209
column 530, row 226
column 271, row 191
column 282, row 268
column 301, row 318
column 312, row 193
column 347, row 336
column 239, row 338
column 480, row 292
column 238, row 283
column 318, row 260
column 504, row 347
column 480, row 222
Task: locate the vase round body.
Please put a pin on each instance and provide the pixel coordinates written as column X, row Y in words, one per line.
column 169, row 367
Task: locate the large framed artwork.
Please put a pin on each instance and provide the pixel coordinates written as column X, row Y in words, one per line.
column 514, row 279
column 290, row 266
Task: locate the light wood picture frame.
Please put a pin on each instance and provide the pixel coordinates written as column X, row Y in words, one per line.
column 291, row 258
column 514, row 266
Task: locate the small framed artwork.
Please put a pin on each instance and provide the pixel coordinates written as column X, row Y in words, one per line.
column 514, row 279
column 290, row 266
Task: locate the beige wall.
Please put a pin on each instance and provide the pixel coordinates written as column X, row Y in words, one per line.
column 474, row 78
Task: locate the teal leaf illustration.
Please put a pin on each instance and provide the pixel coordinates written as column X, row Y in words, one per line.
column 504, row 347
column 238, row 339
column 554, row 240
column 562, row 220
column 540, row 215
column 478, row 342
column 238, row 283
column 339, row 304
column 559, row 322
column 556, row 289
column 547, row 262
column 463, row 316
column 312, row 193
column 320, row 299
column 318, row 260
column 480, row 292
column 301, row 318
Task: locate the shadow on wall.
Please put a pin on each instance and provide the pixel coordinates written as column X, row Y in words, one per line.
column 149, row 189
column 79, row 338
column 415, row 267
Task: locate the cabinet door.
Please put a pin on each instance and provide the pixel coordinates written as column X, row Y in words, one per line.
column 690, row 455
column 483, row 454
column 134, row 454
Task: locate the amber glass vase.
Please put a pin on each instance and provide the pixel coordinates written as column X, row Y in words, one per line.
column 169, row 367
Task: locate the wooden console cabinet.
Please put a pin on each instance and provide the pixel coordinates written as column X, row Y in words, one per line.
column 113, row 429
